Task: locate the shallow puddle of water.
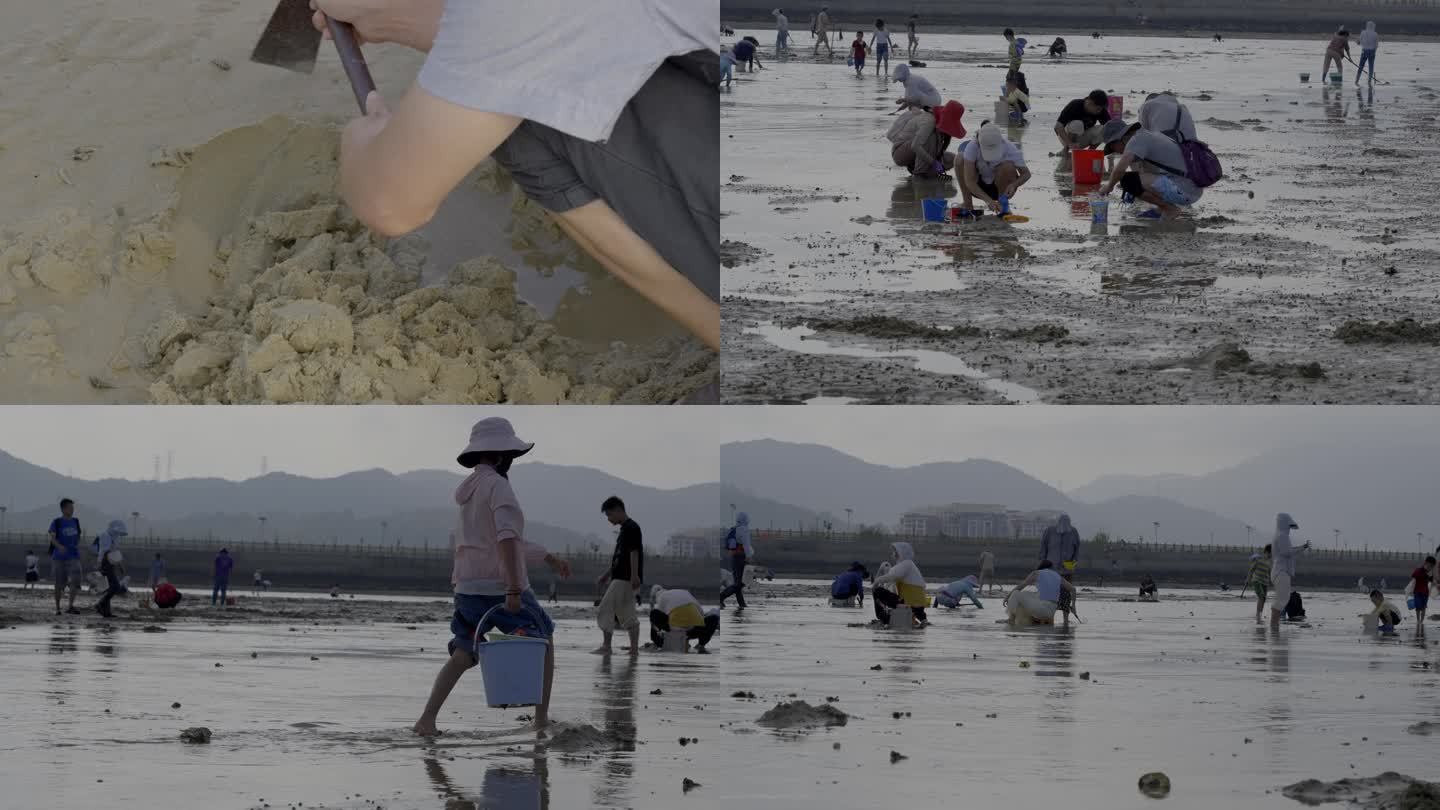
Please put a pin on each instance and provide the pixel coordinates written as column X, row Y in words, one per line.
column 800, row 339
column 1188, row 686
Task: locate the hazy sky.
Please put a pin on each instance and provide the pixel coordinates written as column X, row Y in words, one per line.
column 677, row 446
column 1071, row 446
column 655, row 446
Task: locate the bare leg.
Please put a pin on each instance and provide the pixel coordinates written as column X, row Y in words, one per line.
column 635, row 640
column 604, row 648
column 1259, row 609
column 58, row 589
column 74, row 592
column 460, row 660
column 542, row 712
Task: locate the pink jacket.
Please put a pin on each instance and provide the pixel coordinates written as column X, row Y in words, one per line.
column 489, row 515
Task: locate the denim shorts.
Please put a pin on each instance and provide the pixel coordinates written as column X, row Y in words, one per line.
column 1176, row 193
column 469, row 608
column 1422, row 600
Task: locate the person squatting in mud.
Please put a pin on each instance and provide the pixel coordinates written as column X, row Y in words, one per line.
column 619, row 145
column 1151, row 147
column 1038, row 606
column 920, row 138
column 990, row 167
column 850, row 584
column 676, row 609
column 903, row 584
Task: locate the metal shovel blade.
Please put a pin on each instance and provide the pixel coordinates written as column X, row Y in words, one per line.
column 290, row 40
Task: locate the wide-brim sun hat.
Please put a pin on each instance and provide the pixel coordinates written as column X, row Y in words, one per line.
column 494, row 434
column 947, row 118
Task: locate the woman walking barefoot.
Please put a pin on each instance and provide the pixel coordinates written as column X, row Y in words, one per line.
column 491, row 554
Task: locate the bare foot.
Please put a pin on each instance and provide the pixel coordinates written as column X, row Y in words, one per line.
column 601, row 651
column 425, row 727
column 634, row 651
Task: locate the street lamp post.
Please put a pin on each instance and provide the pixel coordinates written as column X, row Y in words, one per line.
column 135, row 521
column 384, row 524
column 1337, row 538
column 1157, row 532
column 848, row 513
column 732, row 514
column 262, row 528
column 1248, row 531
column 3, row 510
column 1420, row 543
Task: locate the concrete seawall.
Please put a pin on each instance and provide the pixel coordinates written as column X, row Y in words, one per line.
column 1231, row 16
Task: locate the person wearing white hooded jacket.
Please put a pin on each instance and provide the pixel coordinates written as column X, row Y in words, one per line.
column 902, row 584
column 1282, row 575
column 1369, row 44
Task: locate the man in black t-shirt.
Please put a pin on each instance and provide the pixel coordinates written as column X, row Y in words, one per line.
column 1080, row 123
column 622, row 581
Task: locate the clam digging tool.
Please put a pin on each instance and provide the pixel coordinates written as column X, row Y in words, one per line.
column 291, row 41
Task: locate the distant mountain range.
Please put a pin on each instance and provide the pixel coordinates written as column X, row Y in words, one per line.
column 562, row 504
column 1380, row 494
column 819, row 481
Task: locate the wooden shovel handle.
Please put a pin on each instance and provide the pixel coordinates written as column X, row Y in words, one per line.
column 353, row 59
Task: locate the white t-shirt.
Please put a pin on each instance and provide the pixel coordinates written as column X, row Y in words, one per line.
column 558, row 67
column 32, row 563
column 881, row 38
column 674, row 598
column 985, row 169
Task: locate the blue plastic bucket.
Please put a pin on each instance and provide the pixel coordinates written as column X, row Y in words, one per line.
column 513, row 668
column 934, row 209
column 1410, row 603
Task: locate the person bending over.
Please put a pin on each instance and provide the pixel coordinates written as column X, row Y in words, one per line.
column 1037, row 606
column 620, row 145
column 675, row 609
column 990, row 167
column 1079, row 123
column 950, row 595
column 902, row 584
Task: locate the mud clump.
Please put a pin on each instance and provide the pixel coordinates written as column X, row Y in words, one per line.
column 1043, row 333
column 316, row 311
column 1424, row 728
column 198, row 735
column 1387, row 332
column 798, row 715
column 1156, row 785
column 1229, row 357
column 1388, row 791
column 583, row 738
column 887, row 327
column 733, row 254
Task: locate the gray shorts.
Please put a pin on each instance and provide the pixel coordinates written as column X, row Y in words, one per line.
column 660, row 169
column 69, row 572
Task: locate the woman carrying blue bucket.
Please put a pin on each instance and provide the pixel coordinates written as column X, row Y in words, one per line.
column 489, row 576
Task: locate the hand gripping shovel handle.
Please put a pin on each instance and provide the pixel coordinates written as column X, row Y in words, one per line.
column 352, row 59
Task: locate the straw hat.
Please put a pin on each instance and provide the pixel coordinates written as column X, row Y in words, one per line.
column 494, row 435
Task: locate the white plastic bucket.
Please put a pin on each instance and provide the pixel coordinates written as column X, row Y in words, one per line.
column 902, row 618
column 513, row 668
column 675, row 641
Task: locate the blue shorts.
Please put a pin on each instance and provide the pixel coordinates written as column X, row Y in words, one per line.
column 882, row 50
column 1421, row 600
column 470, row 608
column 1176, row 193
column 859, row 63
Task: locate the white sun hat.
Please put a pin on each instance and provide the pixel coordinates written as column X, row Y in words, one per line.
column 494, row 435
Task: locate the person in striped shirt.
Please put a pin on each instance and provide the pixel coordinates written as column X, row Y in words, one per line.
column 1259, row 579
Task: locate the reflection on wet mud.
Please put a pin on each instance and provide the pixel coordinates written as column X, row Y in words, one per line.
column 1142, row 286
column 504, row 786
column 615, row 694
column 908, row 192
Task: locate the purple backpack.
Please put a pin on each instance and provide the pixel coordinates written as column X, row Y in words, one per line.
column 1201, row 166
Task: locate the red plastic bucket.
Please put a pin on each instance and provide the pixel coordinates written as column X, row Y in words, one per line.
column 1089, row 166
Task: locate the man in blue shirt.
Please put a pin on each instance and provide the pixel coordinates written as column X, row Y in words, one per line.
column 65, row 553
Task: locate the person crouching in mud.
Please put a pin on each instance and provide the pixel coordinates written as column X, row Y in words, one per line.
column 850, row 584
column 908, row 586
column 1158, row 179
column 919, row 92
column 990, row 167
column 491, row 558
column 950, row 595
column 1037, row 606
column 920, row 137
column 675, row 609
column 1148, row 590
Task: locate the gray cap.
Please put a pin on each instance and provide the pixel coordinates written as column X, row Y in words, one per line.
column 1113, row 131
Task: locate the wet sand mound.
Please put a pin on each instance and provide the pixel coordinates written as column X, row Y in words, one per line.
column 733, row 254
column 1230, row 357
column 1385, row 332
column 889, row 327
column 583, row 738
column 798, row 715
column 1388, row 791
column 312, row 307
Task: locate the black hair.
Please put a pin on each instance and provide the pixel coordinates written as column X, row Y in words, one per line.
column 1267, row 546
column 501, row 461
column 64, row 502
column 612, row 502
column 1100, row 97
column 1045, row 564
column 1376, row 593
column 1430, row 560
column 879, row 23
column 1009, row 34
column 157, row 555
